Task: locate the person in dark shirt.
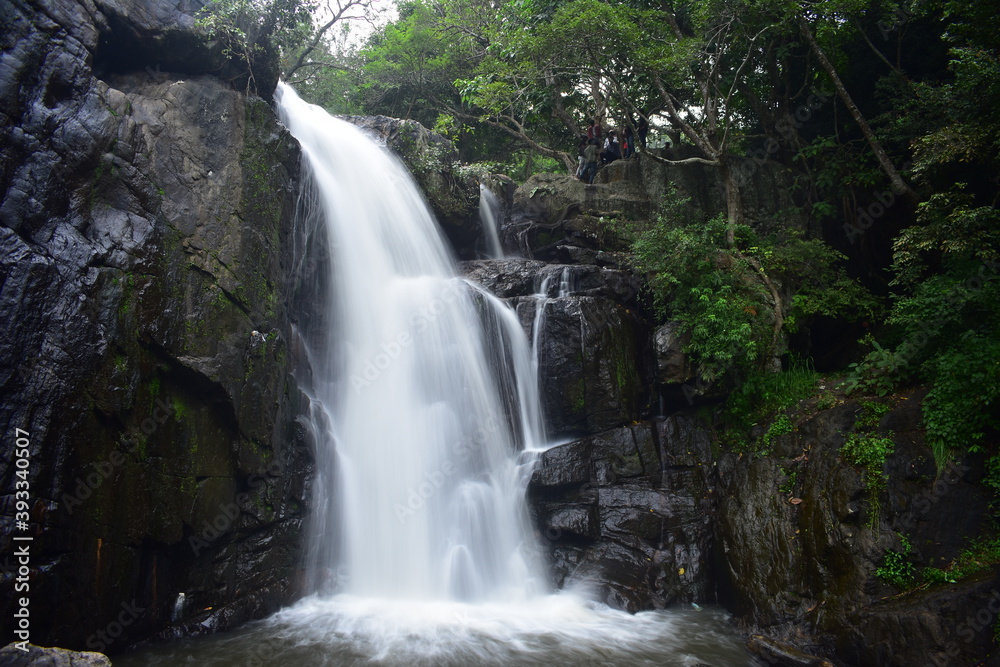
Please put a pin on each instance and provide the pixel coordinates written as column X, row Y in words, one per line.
column 642, row 130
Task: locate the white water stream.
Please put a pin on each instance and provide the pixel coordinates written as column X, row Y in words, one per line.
column 421, row 462
column 424, row 402
column 489, row 217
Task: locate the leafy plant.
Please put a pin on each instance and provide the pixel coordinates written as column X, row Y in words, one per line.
column 737, row 293
column 791, row 477
column 869, row 452
column 933, row 575
column 693, row 279
column 877, row 373
column 896, row 569
column 760, row 397
column 872, row 413
column 779, row 427
column 962, row 402
column 978, row 556
column 826, row 401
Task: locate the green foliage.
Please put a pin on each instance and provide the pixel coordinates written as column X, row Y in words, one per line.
column 247, row 28
column 978, row 556
column 788, row 486
column 870, row 452
column 760, row 397
column 962, row 402
column 723, row 292
column 811, row 268
column 953, row 232
column 947, row 319
column 934, row 575
column 779, row 427
column 872, row 413
column 896, row 569
column 947, row 307
column 826, row 401
column 713, row 291
column 877, row 373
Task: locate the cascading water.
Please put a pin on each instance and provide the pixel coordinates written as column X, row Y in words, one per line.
column 425, row 414
column 489, row 217
column 424, row 467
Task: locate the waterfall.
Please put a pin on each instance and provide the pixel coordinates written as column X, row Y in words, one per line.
column 424, row 412
column 422, row 391
column 489, row 217
column 541, row 299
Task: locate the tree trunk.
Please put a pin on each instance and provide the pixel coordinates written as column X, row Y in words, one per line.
column 899, row 186
column 734, row 203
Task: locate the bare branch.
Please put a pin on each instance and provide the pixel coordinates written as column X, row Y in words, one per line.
column 340, row 14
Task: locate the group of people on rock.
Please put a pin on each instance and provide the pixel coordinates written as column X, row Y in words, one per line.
column 594, row 150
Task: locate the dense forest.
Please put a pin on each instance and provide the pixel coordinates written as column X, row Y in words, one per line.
column 884, row 112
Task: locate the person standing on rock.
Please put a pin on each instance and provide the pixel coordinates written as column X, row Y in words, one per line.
column 590, row 161
column 582, row 164
column 612, row 149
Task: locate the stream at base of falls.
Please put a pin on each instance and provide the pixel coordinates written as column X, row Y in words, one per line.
column 560, row 629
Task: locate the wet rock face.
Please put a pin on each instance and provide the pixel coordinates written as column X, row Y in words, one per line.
column 589, row 373
column 145, row 232
column 592, row 343
column 672, row 364
column 807, row 568
column 629, row 512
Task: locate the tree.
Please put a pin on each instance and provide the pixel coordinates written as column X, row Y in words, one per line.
column 899, row 186
column 262, row 33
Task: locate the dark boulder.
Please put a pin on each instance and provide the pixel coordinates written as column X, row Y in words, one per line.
column 36, row 656
column 628, row 512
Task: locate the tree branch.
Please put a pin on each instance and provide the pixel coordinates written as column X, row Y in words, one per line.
column 517, row 131
column 339, row 15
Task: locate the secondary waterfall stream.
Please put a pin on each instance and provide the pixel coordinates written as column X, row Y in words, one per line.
column 425, row 413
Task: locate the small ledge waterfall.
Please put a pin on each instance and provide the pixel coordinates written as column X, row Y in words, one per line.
column 489, row 217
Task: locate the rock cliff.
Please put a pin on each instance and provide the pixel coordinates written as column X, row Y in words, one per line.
column 645, row 505
column 146, row 253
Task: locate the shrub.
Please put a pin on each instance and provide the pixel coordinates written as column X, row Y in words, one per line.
column 738, row 299
column 869, row 452
column 896, row 570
